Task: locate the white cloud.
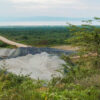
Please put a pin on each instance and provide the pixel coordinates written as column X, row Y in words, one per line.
column 25, row 1
column 64, row 8
column 45, row 1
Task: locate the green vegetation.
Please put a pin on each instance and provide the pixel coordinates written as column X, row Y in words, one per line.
column 4, row 45
column 87, row 37
column 80, row 81
column 36, row 36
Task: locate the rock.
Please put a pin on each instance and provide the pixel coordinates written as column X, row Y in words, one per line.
column 12, row 53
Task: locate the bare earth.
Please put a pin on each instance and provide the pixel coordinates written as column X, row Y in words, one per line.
column 5, row 40
column 66, row 47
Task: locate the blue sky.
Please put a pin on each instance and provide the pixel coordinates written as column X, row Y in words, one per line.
column 17, row 11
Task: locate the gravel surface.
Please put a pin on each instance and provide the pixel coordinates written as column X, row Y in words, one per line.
column 41, row 66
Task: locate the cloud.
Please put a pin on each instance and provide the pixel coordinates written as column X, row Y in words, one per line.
column 35, row 4
column 56, row 8
column 66, row 5
column 44, row 1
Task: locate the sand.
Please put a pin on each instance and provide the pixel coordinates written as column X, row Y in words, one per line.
column 66, row 47
column 5, row 40
column 41, row 66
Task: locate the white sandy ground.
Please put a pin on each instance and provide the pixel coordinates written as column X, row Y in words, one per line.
column 6, row 52
column 41, row 66
column 5, row 40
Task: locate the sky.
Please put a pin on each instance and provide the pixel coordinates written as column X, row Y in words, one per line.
column 29, row 12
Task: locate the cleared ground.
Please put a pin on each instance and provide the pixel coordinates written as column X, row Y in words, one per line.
column 5, row 40
column 66, row 47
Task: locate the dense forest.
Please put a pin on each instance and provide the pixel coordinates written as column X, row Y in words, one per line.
column 37, row 35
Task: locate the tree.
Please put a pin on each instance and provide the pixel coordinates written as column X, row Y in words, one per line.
column 87, row 37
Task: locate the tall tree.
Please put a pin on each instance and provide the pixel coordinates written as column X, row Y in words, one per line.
column 87, row 37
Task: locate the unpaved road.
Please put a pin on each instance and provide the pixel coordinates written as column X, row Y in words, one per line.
column 5, row 40
column 63, row 47
column 66, row 47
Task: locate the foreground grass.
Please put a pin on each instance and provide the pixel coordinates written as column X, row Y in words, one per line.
column 80, row 83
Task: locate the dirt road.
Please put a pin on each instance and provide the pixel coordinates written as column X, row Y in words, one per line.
column 66, row 47
column 5, row 40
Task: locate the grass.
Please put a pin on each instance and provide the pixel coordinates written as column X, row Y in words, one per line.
column 79, row 83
